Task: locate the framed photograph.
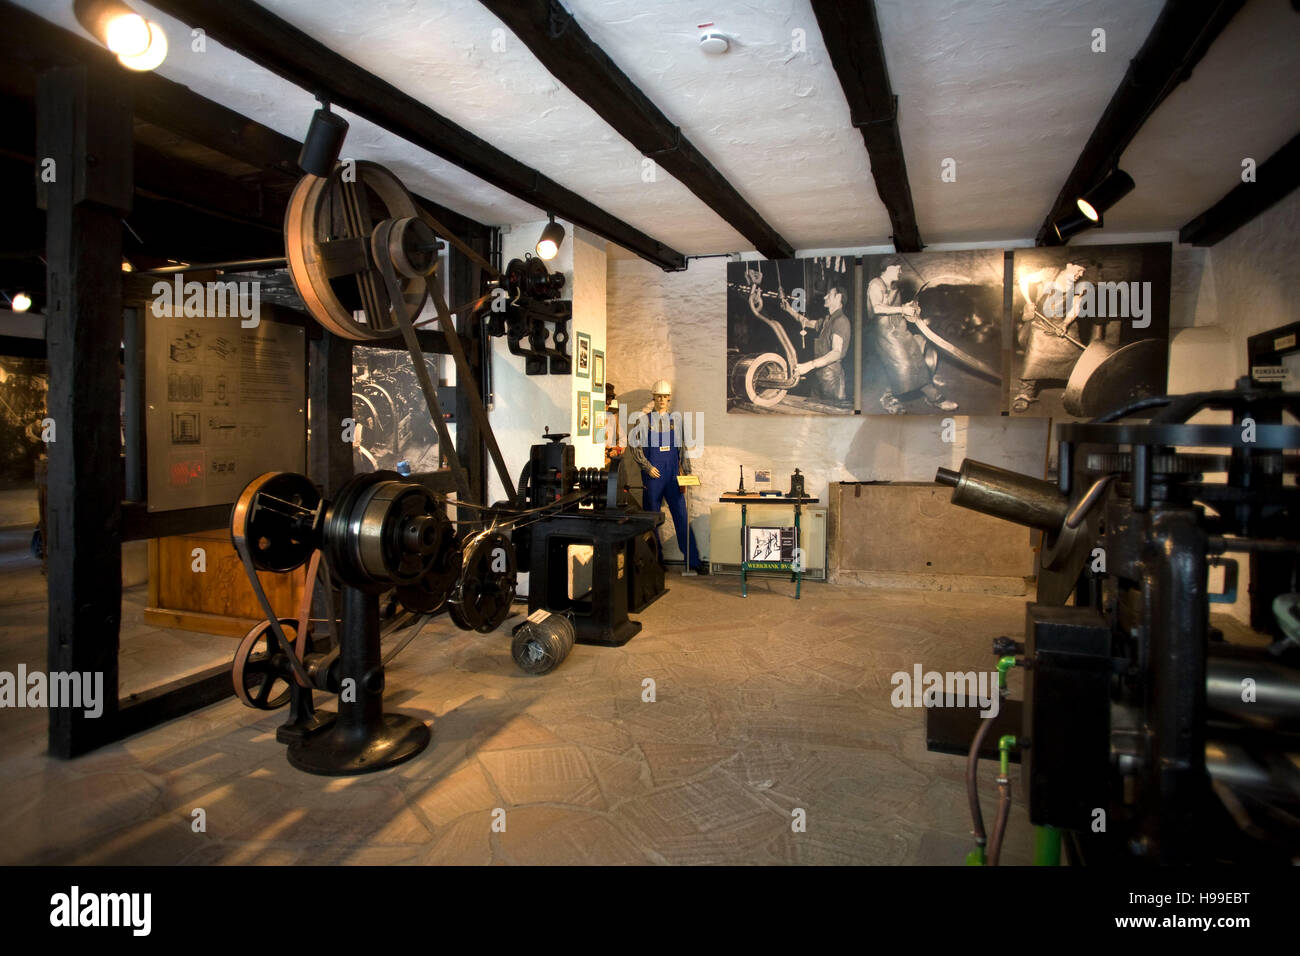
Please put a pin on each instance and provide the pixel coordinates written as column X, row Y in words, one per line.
column 932, row 333
column 770, row 549
column 584, row 413
column 597, row 417
column 782, row 316
column 1091, row 328
column 597, row 369
column 584, row 356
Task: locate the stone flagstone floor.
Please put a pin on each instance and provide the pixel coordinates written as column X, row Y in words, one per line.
column 763, row 706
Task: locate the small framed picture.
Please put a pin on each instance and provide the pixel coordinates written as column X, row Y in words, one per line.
column 584, row 355
column 597, row 420
column 597, row 369
column 584, row 413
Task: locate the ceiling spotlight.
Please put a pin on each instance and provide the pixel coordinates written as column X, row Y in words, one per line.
column 140, row 44
column 549, row 243
column 21, row 302
column 1071, row 224
column 1105, row 194
column 324, row 142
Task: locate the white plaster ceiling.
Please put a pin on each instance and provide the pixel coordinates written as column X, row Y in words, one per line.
column 1010, row 89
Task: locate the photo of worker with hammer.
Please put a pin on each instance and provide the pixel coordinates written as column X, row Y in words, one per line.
column 1091, row 328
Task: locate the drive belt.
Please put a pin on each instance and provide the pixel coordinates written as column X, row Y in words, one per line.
column 295, row 657
column 465, row 376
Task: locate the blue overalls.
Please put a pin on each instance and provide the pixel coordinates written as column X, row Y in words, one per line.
column 666, row 458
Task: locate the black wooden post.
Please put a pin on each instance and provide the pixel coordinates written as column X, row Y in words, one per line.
column 84, row 176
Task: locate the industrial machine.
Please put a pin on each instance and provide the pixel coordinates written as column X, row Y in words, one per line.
column 1144, row 735
column 363, row 259
column 597, row 560
column 529, row 308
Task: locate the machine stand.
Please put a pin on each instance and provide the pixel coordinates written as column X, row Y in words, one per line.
column 363, row 738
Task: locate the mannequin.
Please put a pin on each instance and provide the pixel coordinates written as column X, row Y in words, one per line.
column 661, row 460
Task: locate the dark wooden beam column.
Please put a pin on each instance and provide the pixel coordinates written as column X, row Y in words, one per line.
column 1181, row 35
column 573, row 58
column 470, row 445
column 84, row 127
column 277, row 45
column 1275, row 178
column 851, row 33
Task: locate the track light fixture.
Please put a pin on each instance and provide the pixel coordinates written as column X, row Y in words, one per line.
column 324, row 141
column 1071, row 224
column 1115, row 186
column 549, row 243
column 140, row 44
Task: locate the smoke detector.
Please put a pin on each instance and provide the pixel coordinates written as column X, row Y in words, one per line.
column 714, row 43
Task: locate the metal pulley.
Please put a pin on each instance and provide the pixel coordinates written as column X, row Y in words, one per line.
column 383, row 531
column 430, row 592
column 486, row 590
column 328, row 229
column 276, row 521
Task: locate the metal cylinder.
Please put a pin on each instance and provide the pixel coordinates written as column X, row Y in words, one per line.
column 1006, row 494
column 323, row 143
column 1275, row 772
column 1258, row 691
column 541, row 643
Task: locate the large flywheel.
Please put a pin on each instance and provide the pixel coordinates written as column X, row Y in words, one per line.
column 327, row 235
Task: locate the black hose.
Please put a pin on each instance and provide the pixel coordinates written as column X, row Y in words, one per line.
column 972, row 782
column 1000, row 825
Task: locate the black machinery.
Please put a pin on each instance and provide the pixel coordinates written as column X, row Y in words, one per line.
column 1144, row 735
column 527, row 307
column 596, row 558
column 362, row 257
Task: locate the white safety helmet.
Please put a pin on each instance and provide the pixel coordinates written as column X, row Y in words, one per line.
column 661, row 387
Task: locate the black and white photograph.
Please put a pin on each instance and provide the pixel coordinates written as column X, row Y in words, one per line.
column 1091, row 328
column 392, row 420
column 790, row 332
column 932, row 333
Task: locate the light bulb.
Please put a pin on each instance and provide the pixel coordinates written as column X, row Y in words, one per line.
column 154, row 53
column 127, row 34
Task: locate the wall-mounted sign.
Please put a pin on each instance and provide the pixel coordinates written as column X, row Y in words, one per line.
column 223, row 404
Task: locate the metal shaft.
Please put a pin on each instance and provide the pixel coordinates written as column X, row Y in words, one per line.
column 1006, row 494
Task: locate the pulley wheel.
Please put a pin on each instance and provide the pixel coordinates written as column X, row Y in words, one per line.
column 430, row 593
column 273, row 519
column 386, row 531
column 752, row 378
column 327, row 237
column 260, row 681
column 487, row 584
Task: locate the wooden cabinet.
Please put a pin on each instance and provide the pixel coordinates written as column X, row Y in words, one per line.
column 218, row 600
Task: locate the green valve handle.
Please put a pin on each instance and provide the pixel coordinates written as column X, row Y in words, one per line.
column 1004, row 664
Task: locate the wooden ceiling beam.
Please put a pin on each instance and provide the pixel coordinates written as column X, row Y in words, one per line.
column 573, row 58
column 1182, row 33
column 851, row 33
column 278, row 46
column 1275, row 178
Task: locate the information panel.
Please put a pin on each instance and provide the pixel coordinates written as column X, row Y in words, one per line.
column 223, row 405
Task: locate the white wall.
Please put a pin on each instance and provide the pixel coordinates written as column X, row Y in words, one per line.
column 673, row 325
column 524, row 405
